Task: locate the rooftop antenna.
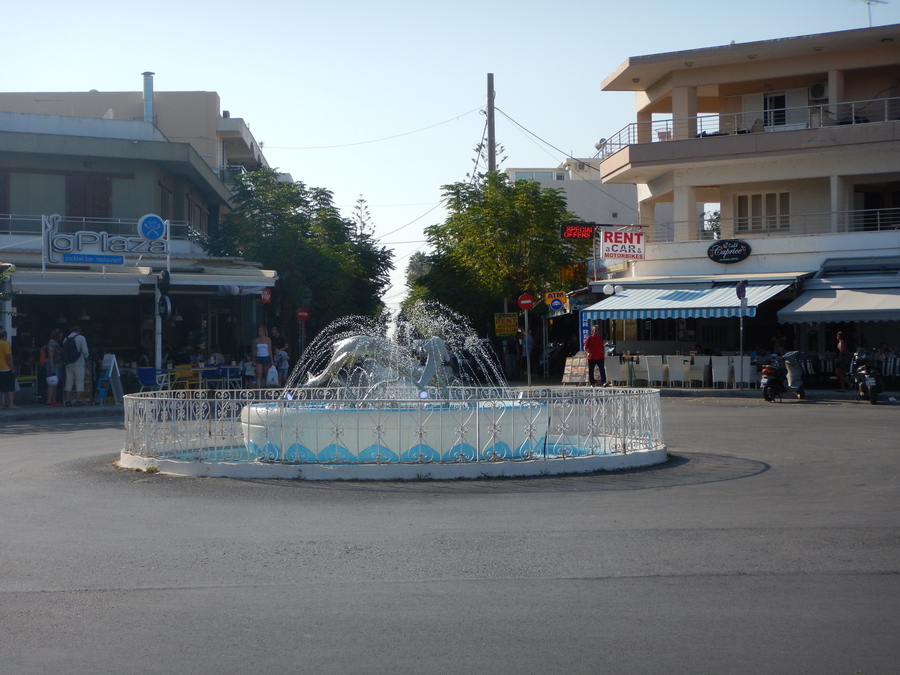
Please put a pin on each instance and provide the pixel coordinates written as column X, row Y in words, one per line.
column 869, row 4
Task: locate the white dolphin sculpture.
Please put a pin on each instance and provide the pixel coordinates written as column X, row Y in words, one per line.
column 349, row 350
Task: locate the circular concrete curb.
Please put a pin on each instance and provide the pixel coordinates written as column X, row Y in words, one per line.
column 450, row 471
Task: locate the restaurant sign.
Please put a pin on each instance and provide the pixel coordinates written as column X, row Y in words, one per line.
column 727, row 251
column 87, row 247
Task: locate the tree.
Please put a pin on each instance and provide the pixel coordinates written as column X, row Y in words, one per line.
column 322, row 259
column 501, row 239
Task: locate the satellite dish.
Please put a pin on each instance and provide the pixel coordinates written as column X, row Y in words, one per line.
column 599, row 144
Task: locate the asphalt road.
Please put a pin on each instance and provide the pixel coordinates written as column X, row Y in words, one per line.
column 768, row 544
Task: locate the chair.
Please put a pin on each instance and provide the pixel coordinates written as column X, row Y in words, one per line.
column 722, row 371
column 640, row 372
column 184, row 377
column 748, row 376
column 656, row 370
column 679, row 370
column 150, row 379
column 616, row 370
column 230, row 377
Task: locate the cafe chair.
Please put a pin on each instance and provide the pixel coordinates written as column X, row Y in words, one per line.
column 748, row 376
column 152, row 380
column 679, row 370
column 616, row 370
column 184, row 377
column 722, row 371
column 656, row 370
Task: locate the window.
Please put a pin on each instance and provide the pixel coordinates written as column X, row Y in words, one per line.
column 764, row 212
column 524, row 175
column 88, row 196
column 775, row 113
column 4, row 193
column 165, row 204
column 560, row 176
column 197, row 215
column 543, row 175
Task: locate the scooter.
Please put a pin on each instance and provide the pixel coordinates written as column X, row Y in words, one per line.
column 781, row 375
column 863, row 374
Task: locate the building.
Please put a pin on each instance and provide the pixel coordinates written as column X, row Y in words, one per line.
column 797, row 141
column 74, row 190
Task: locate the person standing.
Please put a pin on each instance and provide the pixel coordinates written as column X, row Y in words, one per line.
column 7, row 375
column 75, row 368
column 262, row 355
column 279, row 341
column 842, row 363
column 595, row 347
column 53, row 366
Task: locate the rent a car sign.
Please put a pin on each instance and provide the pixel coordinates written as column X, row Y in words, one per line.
column 620, row 244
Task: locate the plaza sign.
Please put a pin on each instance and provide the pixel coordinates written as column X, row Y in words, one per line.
column 86, row 247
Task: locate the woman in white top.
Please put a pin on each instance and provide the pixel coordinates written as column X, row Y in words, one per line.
column 262, row 354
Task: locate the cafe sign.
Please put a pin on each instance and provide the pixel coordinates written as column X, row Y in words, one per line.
column 87, row 247
column 727, row 251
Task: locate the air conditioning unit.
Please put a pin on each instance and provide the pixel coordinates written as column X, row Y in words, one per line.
column 818, row 91
column 581, row 166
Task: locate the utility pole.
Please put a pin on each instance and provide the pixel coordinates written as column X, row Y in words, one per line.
column 492, row 144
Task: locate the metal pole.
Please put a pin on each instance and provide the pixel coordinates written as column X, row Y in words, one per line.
column 491, row 139
column 527, row 351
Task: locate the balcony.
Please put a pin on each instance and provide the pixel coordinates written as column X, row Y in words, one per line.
column 25, row 225
column 796, row 224
column 851, row 114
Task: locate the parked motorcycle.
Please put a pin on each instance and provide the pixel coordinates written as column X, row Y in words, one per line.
column 864, row 375
column 781, row 375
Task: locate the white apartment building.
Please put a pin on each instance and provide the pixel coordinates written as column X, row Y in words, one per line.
column 798, row 141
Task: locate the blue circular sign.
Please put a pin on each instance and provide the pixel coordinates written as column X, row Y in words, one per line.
column 556, row 304
column 152, row 227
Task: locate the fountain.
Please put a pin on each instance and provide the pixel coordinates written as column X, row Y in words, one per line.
column 416, row 396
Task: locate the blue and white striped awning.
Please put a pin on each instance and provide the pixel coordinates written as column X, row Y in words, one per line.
column 681, row 302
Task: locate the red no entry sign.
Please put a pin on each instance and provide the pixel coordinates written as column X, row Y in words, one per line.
column 302, row 314
column 526, row 301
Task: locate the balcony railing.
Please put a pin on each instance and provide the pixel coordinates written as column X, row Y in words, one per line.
column 795, row 224
column 31, row 225
column 754, row 121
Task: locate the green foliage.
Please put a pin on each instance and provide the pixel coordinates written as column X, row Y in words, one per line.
column 501, row 239
column 328, row 263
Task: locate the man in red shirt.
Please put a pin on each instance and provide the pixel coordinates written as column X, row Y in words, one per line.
column 594, row 346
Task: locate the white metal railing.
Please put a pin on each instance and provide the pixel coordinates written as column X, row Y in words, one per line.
column 31, row 225
column 798, row 224
column 556, row 423
column 754, row 121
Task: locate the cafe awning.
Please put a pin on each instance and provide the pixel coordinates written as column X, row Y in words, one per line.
column 843, row 304
column 54, row 282
column 682, row 301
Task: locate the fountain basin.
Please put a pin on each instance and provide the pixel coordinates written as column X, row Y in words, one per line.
column 470, row 433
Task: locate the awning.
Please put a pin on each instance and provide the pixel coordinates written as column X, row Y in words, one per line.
column 843, row 304
column 262, row 278
column 689, row 300
column 75, row 283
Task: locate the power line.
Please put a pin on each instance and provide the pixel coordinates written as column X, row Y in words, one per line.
column 376, row 140
column 565, row 154
column 388, row 234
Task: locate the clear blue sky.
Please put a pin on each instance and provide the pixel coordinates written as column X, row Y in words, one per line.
column 315, row 81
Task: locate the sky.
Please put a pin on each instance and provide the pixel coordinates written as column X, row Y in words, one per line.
column 384, row 100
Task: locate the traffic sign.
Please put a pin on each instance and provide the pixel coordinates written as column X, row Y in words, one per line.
column 302, row 314
column 526, row 301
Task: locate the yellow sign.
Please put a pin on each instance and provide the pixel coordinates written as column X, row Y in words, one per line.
column 554, row 295
column 506, row 324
